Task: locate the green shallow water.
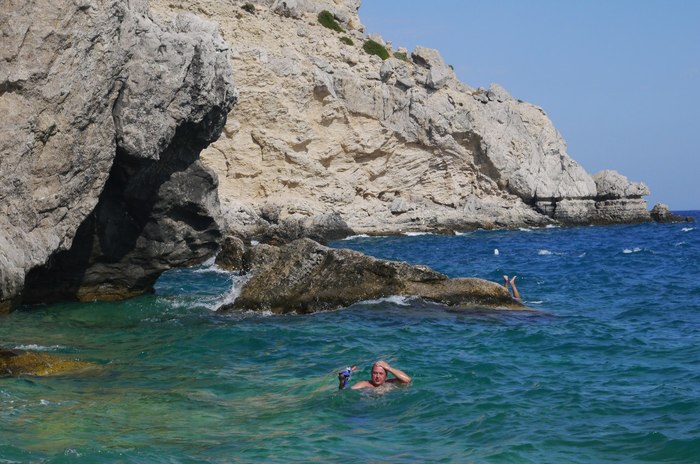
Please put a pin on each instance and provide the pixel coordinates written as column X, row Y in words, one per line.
column 609, row 371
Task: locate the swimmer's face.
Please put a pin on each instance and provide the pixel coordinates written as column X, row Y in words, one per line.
column 378, row 375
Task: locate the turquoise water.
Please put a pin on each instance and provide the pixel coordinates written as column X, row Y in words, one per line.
column 608, row 371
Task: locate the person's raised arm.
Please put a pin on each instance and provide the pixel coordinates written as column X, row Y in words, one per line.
column 400, row 375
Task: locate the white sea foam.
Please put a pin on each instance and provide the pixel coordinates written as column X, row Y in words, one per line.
column 33, row 347
column 233, row 293
column 415, row 234
column 400, row 300
column 551, row 226
column 582, row 255
column 212, row 268
column 544, row 252
column 687, row 229
column 633, row 250
column 496, row 252
column 353, row 237
column 525, row 229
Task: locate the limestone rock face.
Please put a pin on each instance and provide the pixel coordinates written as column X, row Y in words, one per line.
column 103, row 112
column 613, row 185
column 304, row 276
column 390, row 146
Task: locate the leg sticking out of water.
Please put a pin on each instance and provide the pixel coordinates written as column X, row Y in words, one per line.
column 516, row 294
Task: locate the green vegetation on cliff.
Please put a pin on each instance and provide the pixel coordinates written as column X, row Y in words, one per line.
column 375, row 48
column 327, row 19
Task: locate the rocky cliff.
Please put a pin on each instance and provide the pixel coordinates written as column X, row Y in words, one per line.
column 329, row 138
column 106, row 105
column 103, row 114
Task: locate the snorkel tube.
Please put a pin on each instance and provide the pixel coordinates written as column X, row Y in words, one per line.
column 344, row 376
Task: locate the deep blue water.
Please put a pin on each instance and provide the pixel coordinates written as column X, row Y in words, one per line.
column 607, row 371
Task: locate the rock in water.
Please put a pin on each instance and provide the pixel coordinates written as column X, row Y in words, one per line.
column 304, row 276
column 15, row 363
column 661, row 213
column 104, row 113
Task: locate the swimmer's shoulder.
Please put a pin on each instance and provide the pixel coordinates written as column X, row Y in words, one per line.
column 362, row 384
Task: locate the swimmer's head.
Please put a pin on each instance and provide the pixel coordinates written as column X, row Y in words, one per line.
column 378, row 375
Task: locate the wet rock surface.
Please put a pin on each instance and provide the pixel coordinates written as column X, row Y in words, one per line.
column 304, row 276
column 15, row 363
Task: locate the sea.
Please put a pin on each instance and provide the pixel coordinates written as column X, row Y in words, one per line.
column 604, row 369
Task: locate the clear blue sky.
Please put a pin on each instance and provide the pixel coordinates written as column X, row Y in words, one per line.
column 620, row 79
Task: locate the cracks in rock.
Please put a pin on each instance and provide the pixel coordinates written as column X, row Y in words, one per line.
column 225, row 158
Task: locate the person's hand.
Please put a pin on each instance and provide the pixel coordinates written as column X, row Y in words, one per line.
column 384, row 365
column 346, row 372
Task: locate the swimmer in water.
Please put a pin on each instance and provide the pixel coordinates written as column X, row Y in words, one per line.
column 380, row 371
column 511, row 282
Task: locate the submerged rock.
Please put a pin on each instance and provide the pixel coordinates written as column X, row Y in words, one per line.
column 15, row 363
column 304, row 276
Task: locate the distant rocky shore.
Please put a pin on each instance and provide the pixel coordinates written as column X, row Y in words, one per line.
column 108, row 105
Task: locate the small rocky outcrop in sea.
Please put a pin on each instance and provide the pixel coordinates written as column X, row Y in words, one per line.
column 104, row 113
column 304, row 276
column 18, row 362
column 661, row 213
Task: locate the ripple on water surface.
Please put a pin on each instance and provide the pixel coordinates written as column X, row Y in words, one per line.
column 607, row 372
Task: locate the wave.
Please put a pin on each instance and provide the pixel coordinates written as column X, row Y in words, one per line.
column 632, row 250
column 687, row 229
column 210, row 268
column 353, row 237
column 400, row 300
column 230, row 296
column 34, row 347
column 415, row 234
column 544, row 252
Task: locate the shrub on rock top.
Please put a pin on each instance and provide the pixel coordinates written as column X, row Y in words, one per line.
column 401, row 56
column 327, row 19
column 375, row 48
column 347, row 41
